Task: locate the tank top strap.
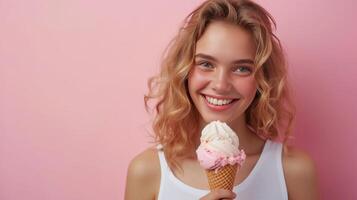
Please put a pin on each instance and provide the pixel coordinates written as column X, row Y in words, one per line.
column 273, row 150
column 280, row 171
column 276, row 153
column 163, row 163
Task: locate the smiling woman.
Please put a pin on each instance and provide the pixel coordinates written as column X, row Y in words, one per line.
column 223, row 72
column 224, row 64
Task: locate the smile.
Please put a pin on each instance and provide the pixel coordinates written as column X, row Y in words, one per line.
column 219, row 104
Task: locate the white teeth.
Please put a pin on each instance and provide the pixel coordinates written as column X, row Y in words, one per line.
column 215, row 101
column 218, row 102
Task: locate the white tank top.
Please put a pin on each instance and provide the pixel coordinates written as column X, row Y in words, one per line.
column 265, row 182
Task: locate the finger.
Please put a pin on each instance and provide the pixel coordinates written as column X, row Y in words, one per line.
column 223, row 194
column 219, row 194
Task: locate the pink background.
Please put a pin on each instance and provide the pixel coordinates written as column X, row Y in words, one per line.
column 73, row 74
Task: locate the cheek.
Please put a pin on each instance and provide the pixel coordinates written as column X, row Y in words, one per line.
column 197, row 80
column 247, row 87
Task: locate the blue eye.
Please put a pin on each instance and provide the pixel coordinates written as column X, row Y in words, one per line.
column 243, row 69
column 205, row 64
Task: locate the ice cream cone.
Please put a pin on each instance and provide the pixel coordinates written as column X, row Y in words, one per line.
column 222, row 178
column 219, row 154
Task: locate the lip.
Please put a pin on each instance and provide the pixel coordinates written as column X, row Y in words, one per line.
column 219, row 108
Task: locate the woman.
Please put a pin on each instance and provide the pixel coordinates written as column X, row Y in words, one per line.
column 224, row 64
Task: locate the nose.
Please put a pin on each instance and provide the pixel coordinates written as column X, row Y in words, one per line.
column 221, row 83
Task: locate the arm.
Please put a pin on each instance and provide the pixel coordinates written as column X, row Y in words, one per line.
column 143, row 177
column 300, row 175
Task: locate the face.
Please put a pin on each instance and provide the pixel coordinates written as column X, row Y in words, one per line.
column 221, row 82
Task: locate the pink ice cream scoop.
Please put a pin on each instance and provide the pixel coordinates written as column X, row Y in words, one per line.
column 219, row 147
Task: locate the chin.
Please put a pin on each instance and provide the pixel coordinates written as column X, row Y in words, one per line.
column 217, row 118
column 228, row 119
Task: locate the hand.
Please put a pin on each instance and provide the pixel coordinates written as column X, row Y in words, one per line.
column 219, row 194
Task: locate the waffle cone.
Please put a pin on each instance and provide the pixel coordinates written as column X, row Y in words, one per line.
column 223, row 179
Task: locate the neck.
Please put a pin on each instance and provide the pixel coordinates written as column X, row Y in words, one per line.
column 246, row 136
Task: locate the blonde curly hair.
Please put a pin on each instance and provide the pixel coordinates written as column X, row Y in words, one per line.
column 176, row 122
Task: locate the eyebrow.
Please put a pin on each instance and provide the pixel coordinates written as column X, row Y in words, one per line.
column 240, row 61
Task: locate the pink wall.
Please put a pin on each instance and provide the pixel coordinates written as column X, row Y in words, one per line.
column 73, row 75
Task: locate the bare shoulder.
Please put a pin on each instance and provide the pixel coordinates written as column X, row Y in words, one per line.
column 143, row 176
column 145, row 164
column 300, row 174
